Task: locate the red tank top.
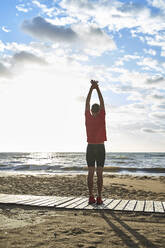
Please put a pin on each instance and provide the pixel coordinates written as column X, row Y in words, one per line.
column 95, row 127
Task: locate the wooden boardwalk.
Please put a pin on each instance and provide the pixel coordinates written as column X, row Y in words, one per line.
column 82, row 203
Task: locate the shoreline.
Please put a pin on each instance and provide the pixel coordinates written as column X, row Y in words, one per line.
column 110, row 170
column 114, row 186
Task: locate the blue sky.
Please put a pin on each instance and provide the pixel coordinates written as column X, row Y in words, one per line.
column 49, row 52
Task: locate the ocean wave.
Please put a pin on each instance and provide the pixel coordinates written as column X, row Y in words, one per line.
column 118, row 169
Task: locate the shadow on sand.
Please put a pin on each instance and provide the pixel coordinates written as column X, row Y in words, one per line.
column 130, row 236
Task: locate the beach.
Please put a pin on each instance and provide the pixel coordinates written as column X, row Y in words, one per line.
column 23, row 226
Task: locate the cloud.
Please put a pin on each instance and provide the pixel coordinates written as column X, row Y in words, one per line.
column 5, row 29
column 21, row 8
column 158, row 40
column 75, row 5
column 2, row 46
column 4, row 71
column 153, row 130
column 163, row 52
column 148, row 64
column 44, row 8
column 39, row 28
column 26, row 57
column 148, row 130
column 155, row 80
column 130, row 7
column 157, row 97
column 94, row 40
column 16, row 61
column 161, row 106
column 160, row 4
column 150, row 51
column 116, row 15
column 89, row 38
column 158, row 115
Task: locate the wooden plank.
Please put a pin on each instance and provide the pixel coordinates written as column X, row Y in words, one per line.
column 95, row 206
column 39, row 202
column 121, row 205
column 63, row 200
column 10, row 199
column 90, row 206
column 24, row 199
column 33, row 200
column 83, row 205
column 130, row 206
column 158, row 207
column 106, row 203
column 149, row 206
column 17, row 197
column 75, row 204
column 65, row 204
column 101, row 206
column 113, row 204
column 163, row 203
column 139, row 206
column 51, row 202
column 2, row 195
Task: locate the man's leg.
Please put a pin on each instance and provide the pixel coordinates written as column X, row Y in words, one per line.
column 99, row 180
column 91, row 170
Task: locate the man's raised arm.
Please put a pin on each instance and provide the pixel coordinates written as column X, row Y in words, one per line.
column 87, row 105
column 100, row 97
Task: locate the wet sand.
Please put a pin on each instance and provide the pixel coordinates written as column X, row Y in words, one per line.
column 23, row 226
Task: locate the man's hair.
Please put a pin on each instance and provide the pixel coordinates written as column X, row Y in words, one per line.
column 95, row 108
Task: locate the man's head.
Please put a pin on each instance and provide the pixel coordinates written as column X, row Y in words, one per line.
column 95, row 108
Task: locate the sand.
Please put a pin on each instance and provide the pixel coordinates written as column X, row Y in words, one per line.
column 23, row 226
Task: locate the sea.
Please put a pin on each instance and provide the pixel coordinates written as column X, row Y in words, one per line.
column 75, row 163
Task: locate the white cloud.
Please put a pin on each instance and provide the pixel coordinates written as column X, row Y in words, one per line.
column 126, row 57
column 22, row 8
column 158, row 115
column 62, row 21
column 163, row 53
column 4, row 71
column 44, row 8
column 150, row 51
column 153, row 130
column 160, row 4
column 116, row 15
column 157, row 96
column 157, row 40
column 2, row 46
column 155, row 80
column 5, row 29
column 26, row 57
column 92, row 39
column 149, row 63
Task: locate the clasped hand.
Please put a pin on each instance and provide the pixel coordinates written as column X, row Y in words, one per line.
column 94, row 84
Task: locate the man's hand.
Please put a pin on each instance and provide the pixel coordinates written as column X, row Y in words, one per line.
column 94, row 84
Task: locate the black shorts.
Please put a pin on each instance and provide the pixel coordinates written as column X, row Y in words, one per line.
column 95, row 153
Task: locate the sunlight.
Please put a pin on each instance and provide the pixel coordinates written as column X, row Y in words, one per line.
column 41, row 114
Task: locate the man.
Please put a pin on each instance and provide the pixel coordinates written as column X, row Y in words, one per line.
column 96, row 135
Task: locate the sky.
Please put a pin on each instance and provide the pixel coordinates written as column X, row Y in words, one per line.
column 49, row 52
